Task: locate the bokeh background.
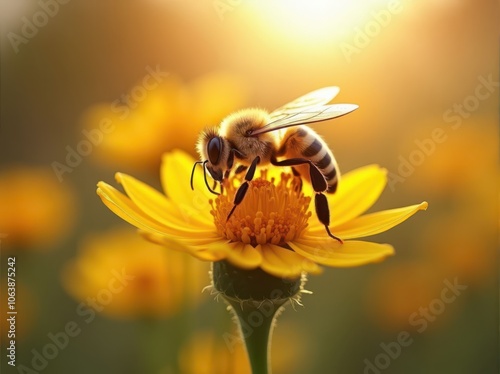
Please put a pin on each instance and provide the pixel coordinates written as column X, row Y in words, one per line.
column 89, row 88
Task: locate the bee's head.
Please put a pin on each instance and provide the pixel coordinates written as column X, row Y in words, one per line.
column 214, row 149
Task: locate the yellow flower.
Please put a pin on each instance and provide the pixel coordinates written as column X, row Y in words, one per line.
column 204, row 354
column 119, row 274
column 433, row 165
column 397, row 291
column 36, row 211
column 209, row 352
column 274, row 227
column 141, row 129
column 470, row 256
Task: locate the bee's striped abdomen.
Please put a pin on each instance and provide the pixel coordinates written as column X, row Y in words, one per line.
column 304, row 142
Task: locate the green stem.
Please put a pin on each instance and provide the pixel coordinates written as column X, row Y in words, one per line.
column 255, row 297
column 256, row 323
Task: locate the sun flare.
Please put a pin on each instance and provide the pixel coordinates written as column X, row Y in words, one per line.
column 312, row 21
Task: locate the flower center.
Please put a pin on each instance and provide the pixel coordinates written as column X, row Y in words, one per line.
column 271, row 212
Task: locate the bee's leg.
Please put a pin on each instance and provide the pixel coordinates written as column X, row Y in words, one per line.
column 230, row 161
column 319, row 185
column 221, row 186
column 240, row 169
column 323, row 213
column 225, row 178
column 297, row 174
column 242, row 190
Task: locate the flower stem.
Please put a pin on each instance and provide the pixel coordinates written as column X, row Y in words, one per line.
column 255, row 298
column 256, row 326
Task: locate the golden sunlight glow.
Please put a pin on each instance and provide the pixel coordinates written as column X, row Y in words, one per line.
column 314, row 20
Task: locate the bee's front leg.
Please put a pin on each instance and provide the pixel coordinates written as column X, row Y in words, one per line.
column 240, row 169
column 242, row 190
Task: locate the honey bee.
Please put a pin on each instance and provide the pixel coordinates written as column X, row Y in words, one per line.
column 252, row 137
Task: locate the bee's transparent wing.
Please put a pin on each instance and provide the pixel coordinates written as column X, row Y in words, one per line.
column 308, row 108
column 304, row 116
column 314, row 98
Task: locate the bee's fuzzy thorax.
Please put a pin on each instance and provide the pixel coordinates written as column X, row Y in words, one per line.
column 243, row 119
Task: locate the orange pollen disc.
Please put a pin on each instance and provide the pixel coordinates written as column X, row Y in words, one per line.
column 271, row 212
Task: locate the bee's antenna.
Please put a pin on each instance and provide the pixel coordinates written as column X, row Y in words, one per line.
column 192, row 172
column 205, row 176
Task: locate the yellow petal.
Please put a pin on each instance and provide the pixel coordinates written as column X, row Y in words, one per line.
column 243, row 255
column 123, row 207
column 175, row 178
column 282, row 262
column 164, row 241
column 351, row 253
column 371, row 224
column 157, row 206
column 202, row 252
column 191, row 243
column 358, row 190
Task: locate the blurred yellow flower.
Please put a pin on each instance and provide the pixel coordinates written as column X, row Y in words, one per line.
column 461, row 173
column 206, row 352
column 36, row 211
column 274, row 233
column 142, row 129
column 399, row 290
column 463, row 248
column 454, row 162
column 128, row 277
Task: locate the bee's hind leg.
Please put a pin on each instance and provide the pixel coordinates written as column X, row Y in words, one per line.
column 242, row 190
column 323, row 213
column 319, row 185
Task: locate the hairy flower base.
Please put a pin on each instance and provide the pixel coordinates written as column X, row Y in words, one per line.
column 255, row 299
column 269, row 213
column 255, row 284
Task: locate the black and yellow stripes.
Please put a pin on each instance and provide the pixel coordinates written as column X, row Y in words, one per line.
column 303, row 142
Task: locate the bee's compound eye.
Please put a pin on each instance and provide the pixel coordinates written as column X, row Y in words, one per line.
column 214, row 149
